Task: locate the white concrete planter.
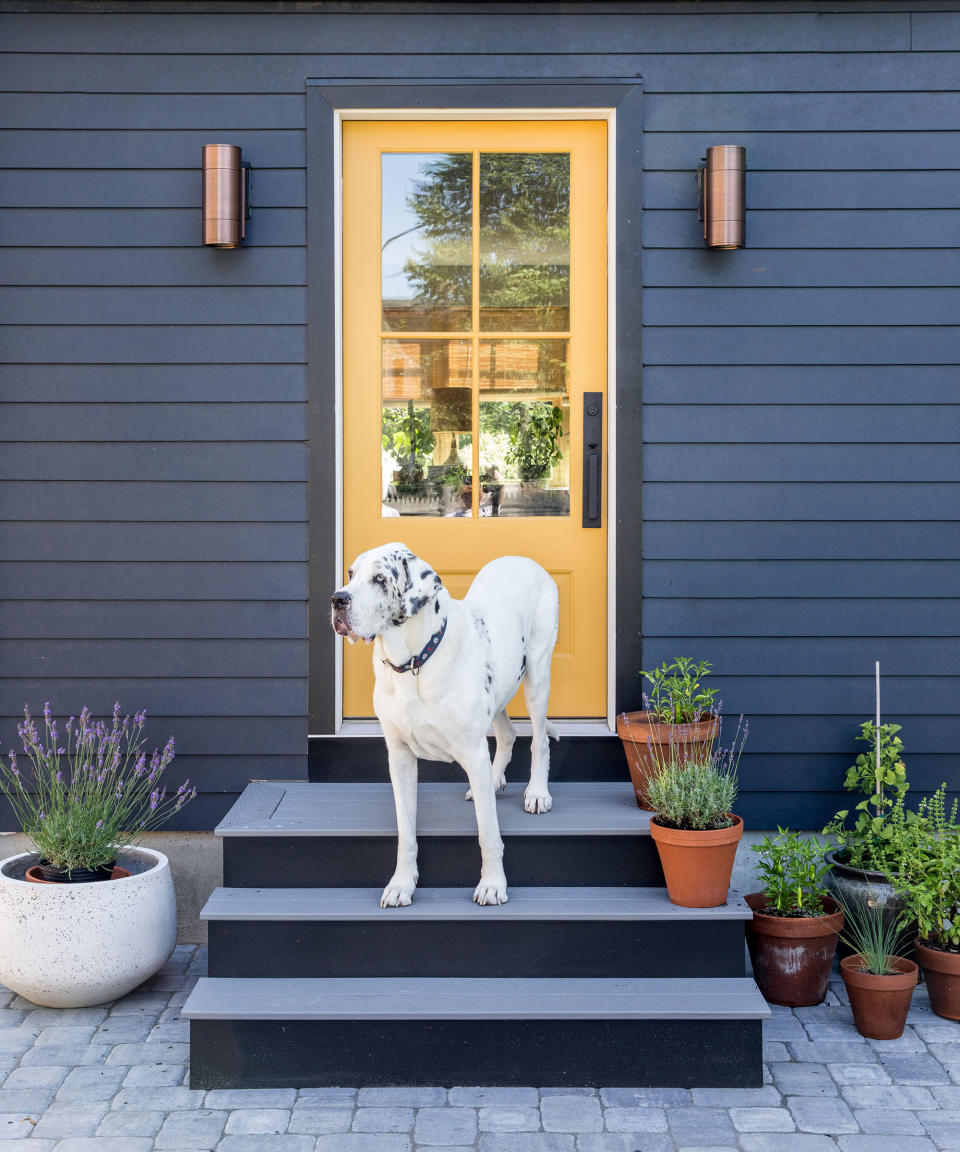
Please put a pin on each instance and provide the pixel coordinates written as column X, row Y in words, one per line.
column 72, row 945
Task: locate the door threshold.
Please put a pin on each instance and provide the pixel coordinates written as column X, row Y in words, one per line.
column 368, row 728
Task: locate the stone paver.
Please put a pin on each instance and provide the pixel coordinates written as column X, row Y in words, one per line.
column 115, row 1079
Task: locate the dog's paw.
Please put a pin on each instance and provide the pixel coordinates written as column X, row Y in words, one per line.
column 491, row 891
column 536, row 802
column 398, row 893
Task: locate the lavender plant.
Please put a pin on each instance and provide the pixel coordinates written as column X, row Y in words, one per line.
column 696, row 792
column 93, row 794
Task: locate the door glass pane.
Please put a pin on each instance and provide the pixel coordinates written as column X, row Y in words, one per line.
column 525, row 242
column 426, row 427
column 524, row 428
column 426, row 241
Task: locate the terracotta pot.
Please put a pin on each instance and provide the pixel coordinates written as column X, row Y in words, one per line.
column 33, row 875
column 792, row 955
column 941, row 971
column 879, row 1003
column 643, row 738
column 697, row 865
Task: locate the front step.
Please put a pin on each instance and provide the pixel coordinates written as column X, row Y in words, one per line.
column 263, row 1033
column 556, row 932
column 296, row 835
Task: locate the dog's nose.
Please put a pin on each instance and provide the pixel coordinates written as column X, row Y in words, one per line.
column 341, row 599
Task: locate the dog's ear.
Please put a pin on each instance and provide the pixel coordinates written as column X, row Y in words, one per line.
column 423, row 584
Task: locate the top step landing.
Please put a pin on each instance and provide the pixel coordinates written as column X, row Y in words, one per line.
column 601, row 808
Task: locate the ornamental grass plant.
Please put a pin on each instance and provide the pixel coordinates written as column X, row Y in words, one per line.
column 875, row 938
column 92, row 791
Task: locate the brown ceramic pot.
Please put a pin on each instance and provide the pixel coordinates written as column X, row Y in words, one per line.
column 647, row 741
column 697, row 865
column 33, row 875
column 792, row 955
column 879, row 1003
column 941, row 970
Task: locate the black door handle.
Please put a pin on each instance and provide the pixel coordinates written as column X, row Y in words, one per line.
column 592, row 457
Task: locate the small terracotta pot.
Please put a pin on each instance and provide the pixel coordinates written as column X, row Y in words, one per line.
column 941, row 971
column 879, row 1003
column 647, row 741
column 792, row 955
column 697, row 865
column 33, row 875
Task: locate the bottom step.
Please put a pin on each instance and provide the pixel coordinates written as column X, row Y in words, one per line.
column 300, row 1033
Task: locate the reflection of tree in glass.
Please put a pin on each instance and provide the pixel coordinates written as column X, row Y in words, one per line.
column 441, row 202
column 524, row 235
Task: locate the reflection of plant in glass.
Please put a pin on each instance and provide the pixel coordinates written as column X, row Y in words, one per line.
column 407, row 437
column 535, row 431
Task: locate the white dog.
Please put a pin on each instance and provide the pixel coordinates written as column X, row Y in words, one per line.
column 445, row 671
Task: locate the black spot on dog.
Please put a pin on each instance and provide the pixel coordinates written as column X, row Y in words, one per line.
column 436, row 607
column 424, row 574
column 523, row 666
column 436, row 580
column 406, row 570
column 416, row 603
column 394, row 573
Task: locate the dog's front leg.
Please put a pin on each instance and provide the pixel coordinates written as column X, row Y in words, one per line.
column 403, row 776
column 492, row 888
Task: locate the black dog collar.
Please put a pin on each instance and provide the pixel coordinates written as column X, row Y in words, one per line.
column 415, row 663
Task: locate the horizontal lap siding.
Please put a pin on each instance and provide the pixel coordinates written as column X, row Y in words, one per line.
column 802, row 416
column 153, row 539
column 800, row 400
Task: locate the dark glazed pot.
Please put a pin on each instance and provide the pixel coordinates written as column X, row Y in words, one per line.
column 941, row 972
column 792, row 955
column 47, row 874
column 879, row 1003
column 858, row 885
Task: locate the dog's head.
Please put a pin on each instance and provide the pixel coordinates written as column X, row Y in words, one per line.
column 385, row 587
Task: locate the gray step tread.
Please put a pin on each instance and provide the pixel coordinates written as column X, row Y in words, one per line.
column 298, row 809
column 447, row 998
column 456, row 904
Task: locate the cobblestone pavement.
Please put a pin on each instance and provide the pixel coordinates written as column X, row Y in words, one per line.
column 114, row 1079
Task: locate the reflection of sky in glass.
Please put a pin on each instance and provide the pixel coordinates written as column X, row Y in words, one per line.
column 401, row 170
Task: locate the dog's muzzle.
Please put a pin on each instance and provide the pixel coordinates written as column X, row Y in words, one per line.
column 341, row 606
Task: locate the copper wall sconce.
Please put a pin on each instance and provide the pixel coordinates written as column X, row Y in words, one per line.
column 721, row 182
column 226, row 195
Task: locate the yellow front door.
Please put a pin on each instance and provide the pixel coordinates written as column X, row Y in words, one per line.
column 474, row 320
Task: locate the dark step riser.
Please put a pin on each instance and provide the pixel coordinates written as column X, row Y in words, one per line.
column 444, row 861
column 529, row 948
column 311, row 1053
column 351, row 760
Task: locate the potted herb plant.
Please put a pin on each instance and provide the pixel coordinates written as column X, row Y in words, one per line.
column 928, row 880
column 879, row 979
column 678, row 721
column 793, row 935
column 866, row 856
column 695, row 831
column 90, row 914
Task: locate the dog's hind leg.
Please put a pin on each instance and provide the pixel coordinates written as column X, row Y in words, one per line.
column 403, row 775
column 506, row 735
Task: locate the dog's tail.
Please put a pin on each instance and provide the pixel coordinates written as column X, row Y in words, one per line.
column 552, row 731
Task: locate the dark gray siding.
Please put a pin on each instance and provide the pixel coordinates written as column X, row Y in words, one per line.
column 800, row 504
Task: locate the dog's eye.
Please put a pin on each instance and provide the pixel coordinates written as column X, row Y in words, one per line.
column 380, row 579
column 349, row 573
